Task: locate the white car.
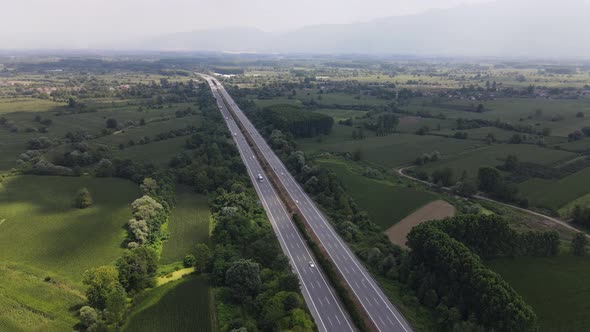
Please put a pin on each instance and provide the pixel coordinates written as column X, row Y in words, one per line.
column 235, row 134
column 311, row 264
column 259, row 177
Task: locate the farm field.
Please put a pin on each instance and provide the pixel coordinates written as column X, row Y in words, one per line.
column 339, row 114
column 494, row 155
column 159, row 153
column 556, row 288
column 28, row 303
column 182, row 305
column 555, row 194
column 398, row 149
column 54, row 236
column 385, row 203
column 188, row 225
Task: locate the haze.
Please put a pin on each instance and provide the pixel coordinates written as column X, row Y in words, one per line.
column 97, row 23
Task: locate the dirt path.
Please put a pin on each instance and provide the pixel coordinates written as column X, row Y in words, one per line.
column 434, row 210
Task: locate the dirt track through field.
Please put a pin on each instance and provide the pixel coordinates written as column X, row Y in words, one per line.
column 434, row 210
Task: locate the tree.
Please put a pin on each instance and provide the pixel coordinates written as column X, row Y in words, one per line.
column 88, row 316
column 580, row 115
column 137, row 268
column 243, row 278
column 100, row 281
column 579, row 243
column 104, row 168
column 189, row 260
column 149, row 186
column 488, row 179
column 83, row 198
column 112, row 123
column 443, row 177
column 115, row 304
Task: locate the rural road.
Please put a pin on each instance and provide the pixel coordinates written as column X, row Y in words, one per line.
column 562, row 223
column 321, row 300
column 383, row 314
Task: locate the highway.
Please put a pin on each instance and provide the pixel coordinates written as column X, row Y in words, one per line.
column 327, row 311
column 384, row 315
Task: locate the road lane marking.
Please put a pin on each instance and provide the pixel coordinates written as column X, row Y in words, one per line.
column 338, row 319
column 330, row 321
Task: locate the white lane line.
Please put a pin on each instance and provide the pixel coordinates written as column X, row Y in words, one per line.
column 330, row 321
column 375, row 300
column 298, row 246
column 319, row 285
column 382, row 322
column 357, row 284
column 338, row 319
column 326, row 298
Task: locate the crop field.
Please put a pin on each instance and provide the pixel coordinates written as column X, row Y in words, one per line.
column 385, row 202
column 556, row 194
column 556, row 288
column 410, row 124
column 576, row 146
column 481, row 133
column 182, row 305
column 37, row 212
column 399, row 149
column 159, row 153
column 338, row 114
column 26, row 105
column 188, row 225
column 494, row 155
column 28, row 303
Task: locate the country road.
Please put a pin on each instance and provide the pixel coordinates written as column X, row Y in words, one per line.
column 383, row 314
column 562, row 223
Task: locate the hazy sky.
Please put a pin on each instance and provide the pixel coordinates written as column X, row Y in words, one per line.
column 95, row 23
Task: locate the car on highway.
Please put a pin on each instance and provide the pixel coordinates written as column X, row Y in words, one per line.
column 311, row 264
column 259, row 177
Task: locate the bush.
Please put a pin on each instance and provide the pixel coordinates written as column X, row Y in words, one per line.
column 83, row 199
column 189, row 260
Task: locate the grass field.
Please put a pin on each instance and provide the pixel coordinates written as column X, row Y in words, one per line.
column 182, row 305
column 397, row 149
column 556, row 287
column 188, row 225
column 338, row 114
column 385, row 203
column 159, row 153
column 494, row 155
column 28, row 303
column 52, row 235
column 556, row 194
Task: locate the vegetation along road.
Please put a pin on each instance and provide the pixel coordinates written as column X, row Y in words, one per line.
column 381, row 312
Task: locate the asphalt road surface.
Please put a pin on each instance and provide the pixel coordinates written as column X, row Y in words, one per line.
column 380, row 310
column 323, row 304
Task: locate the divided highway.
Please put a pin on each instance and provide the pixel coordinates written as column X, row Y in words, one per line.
column 323, row 304
column 384, row 315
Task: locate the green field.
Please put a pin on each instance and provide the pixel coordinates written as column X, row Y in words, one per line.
column 43, row 235
column 159, row 153
column 555, row 194
column 556, row 287
column 37, row 213
column 494, row 155
column 188, row 225
column 398, row 149
column 338, row 114
column 182, row 305
column 28, row 303
column 385, row 203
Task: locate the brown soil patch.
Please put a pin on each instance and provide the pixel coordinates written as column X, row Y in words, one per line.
column 434, row 210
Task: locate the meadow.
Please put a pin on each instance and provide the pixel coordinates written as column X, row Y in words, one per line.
column 494, row 155
column 385, row 202
column 54, row 236
column 182, row 305
column 556, row 288
column 188, row 225
column 555, row 194
column 46, row 244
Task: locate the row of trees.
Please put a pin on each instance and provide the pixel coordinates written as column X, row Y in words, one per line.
column 453, row 278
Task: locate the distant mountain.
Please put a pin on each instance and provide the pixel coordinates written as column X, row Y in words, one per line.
column 541, row 28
